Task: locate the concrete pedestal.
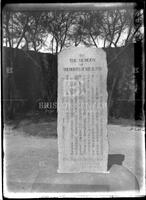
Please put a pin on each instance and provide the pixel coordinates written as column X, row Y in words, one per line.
column 119, row 178
column 36, row 171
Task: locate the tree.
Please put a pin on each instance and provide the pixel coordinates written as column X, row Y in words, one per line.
column 58, row 24
column 134, row 26
column 14, row 27
column 34, row 30
column 35, row 34
column 86, row 30
column 113, row 24
column 114, row 27
column 23, row 29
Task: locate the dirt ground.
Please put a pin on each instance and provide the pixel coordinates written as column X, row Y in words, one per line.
column 27, row 144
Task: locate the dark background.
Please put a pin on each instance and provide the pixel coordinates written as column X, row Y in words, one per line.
column 30, row 78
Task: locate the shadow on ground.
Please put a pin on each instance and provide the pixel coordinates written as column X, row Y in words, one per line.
column 115, row 159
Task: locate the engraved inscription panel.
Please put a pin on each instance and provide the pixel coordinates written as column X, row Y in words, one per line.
column 82, row 110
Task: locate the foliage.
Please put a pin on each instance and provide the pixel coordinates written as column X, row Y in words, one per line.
column 58, row 29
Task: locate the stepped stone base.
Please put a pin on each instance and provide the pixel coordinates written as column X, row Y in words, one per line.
column 119, row 178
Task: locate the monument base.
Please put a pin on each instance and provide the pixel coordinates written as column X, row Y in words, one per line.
column 48, row 180
column 119, row 179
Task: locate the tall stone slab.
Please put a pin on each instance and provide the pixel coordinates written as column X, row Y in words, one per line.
column 82, row 110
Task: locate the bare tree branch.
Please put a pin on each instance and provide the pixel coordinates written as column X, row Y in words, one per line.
column 23, row 33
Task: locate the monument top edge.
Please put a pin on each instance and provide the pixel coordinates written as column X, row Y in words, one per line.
column 81, row 48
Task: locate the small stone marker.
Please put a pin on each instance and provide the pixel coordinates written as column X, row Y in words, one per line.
column 82, row 110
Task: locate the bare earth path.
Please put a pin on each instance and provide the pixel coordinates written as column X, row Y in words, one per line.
column 27, row 156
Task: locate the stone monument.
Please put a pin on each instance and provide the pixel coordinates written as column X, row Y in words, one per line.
column 82, row 137
column 82, row 110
